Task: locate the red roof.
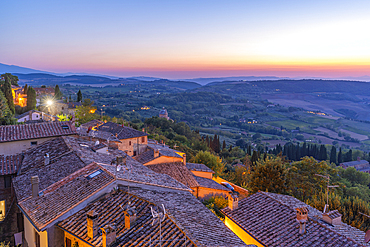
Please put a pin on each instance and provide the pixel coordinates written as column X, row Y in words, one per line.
column 9, row 164
column 20, row 132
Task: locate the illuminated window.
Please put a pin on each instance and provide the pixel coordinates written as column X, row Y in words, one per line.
column 2, row 210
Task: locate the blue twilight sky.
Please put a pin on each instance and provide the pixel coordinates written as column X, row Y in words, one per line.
column 184, row 39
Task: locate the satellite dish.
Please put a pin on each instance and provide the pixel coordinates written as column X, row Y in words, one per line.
column 367, row 236
column 96, row 143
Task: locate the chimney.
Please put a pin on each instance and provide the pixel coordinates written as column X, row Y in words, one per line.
column 156, row 153
column 47, row 159
column 35, row 186
column 143, row 129
column 108, row 235
column 332, row 217
column 130, row 216
column 302, row 218
column 233, row 201
column 92, row 224
column 30, row 115
column 184, row 159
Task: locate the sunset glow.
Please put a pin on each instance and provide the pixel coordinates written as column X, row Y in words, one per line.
column 189, row 39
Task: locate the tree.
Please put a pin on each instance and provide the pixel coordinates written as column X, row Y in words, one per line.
column 12, row 78
column 31, row 99
column 58, row 93
column 223, row 145
column 85, row 114
column 5, row 113
column 79, row 96
column 212, row 161
column 333, row 155
column 340, row 157
column 25, row 89
column 6, row 88
column 269, row 175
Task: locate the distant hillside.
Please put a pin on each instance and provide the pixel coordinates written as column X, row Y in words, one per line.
column 288, row 86
column 100, row 81
column 204, row 81
column 4, row 68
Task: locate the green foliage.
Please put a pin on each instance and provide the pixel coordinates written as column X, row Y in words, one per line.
column 12, row 78
column 215, row 204
column 85, row 114
column 63, row 118
column 31, row 99
column 6, row 88
column 269, row 175
column 79, row 96
column 25, row 89
column 354, row 176
column 58, row 93
column 210, row 160
column 6, row 117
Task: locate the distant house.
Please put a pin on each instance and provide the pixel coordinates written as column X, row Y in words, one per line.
column 17, row 138
column 360, row 165
column 155, row 153
column 34, row 116
column 66, row 108
column 268, row 219
column 131, row 141
column 44, row 90
column 164, row 114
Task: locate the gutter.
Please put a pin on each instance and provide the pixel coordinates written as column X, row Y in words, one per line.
column 242, row 228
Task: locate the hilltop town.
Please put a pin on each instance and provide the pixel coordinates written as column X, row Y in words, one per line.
column 74, row 176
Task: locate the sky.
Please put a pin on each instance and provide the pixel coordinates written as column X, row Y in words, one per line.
column 188, row 39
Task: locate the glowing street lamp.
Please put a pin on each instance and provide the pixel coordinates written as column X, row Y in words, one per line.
column 49, row 102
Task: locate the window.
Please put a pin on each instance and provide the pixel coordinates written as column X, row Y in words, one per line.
column 94, row 174
column 2, row 210
column 33, row 143
column 7, row 181
column 68, row 242
column 20, row 224
column 129, row 143
column 142, row 139
column 134, row 153
column 37, row 239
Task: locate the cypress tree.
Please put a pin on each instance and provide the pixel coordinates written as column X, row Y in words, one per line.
column 340, row 157
column 223, row 145
column 5, row 114
column 58, row 93
column 25, row 89
column 6, row 87
column 31, row 99
column 79, row 96
column 333, row 155
column 323, row 154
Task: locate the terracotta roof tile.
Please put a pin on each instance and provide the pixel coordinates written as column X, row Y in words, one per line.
column 199, row 167
column 20, row 132
column 63, row 195
column 122, row 132
column 92, row 123
column 274, row 223
column 10, row 164
column 142, row 233
column 209, row 183
column 192, row 217
column 176, row 170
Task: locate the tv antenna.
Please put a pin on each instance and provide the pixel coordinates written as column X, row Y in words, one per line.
column 158, row 216
column 327, row 190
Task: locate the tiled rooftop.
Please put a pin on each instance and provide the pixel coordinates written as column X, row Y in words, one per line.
column 121, row 131
column 10, row 164
column 354, row 163
column 92, row 123
column 143, row 233
column 271, row 218
column 209, row 183
column 199, row 167
column 199, row 223
column 148, row 155
column 20, row 132
column 63, row 195
column 176, row 170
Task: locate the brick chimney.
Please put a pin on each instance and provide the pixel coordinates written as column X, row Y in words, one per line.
column 46, row 159
column 35, row 186
column 302, row 218
column 184, row 159
column 156, row 153
column 332, row 217
column 130, row 216
column 233, row 201
column 92, row 224
column 108, row 235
